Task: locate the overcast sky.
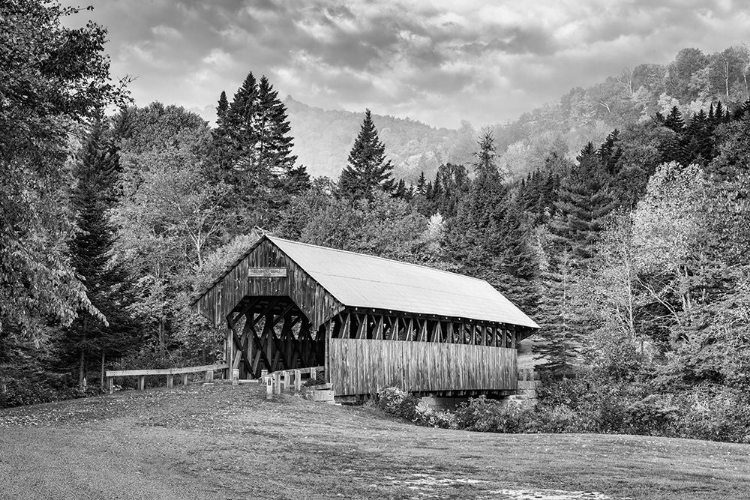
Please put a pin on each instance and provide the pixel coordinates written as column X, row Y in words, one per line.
column 435, row 61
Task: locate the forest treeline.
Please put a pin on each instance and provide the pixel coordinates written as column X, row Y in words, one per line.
column 632, row 257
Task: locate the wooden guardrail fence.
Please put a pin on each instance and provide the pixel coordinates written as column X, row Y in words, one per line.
column 281, row 380
column 169, row 372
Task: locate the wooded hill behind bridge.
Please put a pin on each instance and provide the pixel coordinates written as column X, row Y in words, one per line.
column 372, row 322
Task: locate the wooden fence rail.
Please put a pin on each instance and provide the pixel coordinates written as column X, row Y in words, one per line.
column 169, row 372
column 279, row 381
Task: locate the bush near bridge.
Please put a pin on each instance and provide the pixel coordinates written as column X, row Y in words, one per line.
column 574, row 406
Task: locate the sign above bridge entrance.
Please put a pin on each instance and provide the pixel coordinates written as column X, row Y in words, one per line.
column 266, row 272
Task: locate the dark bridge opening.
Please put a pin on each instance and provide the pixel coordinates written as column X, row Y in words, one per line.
column 272, row 333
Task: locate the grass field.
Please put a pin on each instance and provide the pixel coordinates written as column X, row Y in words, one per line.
column 229, row 442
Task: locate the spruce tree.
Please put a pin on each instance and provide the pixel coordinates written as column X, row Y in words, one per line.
column 252, row 153
column 221, row 112
column 584, row 200
column 107, row 285
column 274, row 144
column 559, row 341
column 368, row 170
column 455, row 186
column 401, row 191
column 421, row 184
column 488, row 238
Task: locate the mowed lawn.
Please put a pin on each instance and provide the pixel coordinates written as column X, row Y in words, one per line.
column 229, row 442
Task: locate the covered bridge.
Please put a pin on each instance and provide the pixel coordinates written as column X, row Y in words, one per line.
column 372, row 322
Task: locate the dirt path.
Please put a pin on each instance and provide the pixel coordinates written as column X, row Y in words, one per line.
column 229, row 442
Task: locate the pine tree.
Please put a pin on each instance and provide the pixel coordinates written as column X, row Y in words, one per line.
column 258, row 128
column 274, row 144
column 516, row 267
column 455, row 185
column 584, row 200
column 674, row 120
column 488, row 238
column 697, row 140
column 107, row 284
column 610, row 152
column 719, row 113
column 421, row 184
column 252, row 153
column 401, row 191
column 221, row 112
column 559, row 341
column 368, row 170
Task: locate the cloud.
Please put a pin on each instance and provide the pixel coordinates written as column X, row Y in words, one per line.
column 440, row 61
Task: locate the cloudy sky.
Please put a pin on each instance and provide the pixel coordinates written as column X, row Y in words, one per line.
column 436, row 61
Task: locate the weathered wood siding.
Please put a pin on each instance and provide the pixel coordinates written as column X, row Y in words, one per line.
column 227, row 292
column 364, row 366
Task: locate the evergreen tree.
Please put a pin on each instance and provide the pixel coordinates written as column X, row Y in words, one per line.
column 558, row 343
column 273, row 149
column 584, row 200
column 487, row 238
column 515, row 263
column 697, row 141
column 421, row 184
column 401, row 190
column 368, row 170
column 107, row 285
column 221, row 112
column 455, row 185
column 674, row 120
column 719, row 113
column 609, row 152
column 252, row 153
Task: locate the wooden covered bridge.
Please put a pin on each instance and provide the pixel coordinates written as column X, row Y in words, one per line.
column 372, row 322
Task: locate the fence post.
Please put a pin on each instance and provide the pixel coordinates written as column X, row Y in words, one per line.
column 276, row 383
column 110, row 384
column 141, row 382
column 184, row 379
column 170, row 381
column 313, row 375
column 209, row 375
column 297, row 380
column 269, row 387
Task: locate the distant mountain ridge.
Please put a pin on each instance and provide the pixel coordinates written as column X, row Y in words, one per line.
column 692, row 81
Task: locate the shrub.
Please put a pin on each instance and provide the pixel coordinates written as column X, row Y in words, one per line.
column 489, row 415
column 41, row 388
column 714, row 412
column 653, row 415
column 396, row 402
column 320, row 379
column 557, row 419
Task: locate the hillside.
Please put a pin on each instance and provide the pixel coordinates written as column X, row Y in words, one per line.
column 229, row 442
column 692, row 81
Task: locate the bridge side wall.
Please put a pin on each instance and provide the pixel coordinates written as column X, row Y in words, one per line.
column 363, row 366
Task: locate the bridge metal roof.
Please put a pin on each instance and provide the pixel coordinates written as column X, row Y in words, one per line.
column 359, row 280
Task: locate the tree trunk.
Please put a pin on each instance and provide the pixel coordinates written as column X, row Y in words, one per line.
column 162, row 345
column 82, row 358
column 82, row 370
column 102, row 375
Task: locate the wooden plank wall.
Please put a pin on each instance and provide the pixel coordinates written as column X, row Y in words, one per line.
column 365, row 366
column 311, row 298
